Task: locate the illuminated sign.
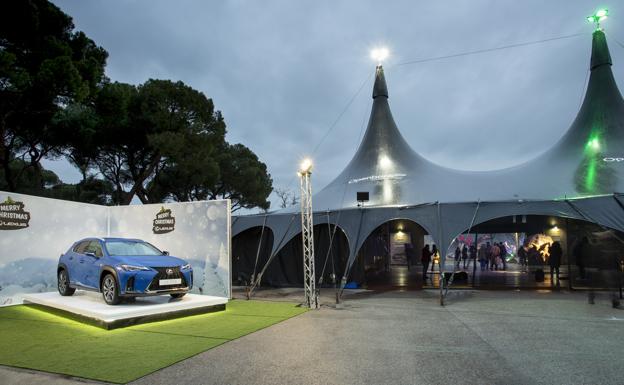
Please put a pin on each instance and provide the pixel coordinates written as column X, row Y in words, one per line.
column 375, row 178
column 611, row 160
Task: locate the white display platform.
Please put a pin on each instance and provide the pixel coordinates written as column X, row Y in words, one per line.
column 91, row 308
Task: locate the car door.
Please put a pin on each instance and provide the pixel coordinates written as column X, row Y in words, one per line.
column 73, row 262
column 90, row 264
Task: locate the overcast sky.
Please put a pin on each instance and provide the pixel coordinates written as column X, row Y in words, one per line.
column 283, row 71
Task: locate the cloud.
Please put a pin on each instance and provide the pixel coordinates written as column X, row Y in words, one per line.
column 281, row 72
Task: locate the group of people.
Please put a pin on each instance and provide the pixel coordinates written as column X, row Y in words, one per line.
column 493, row 256
column 530, row 257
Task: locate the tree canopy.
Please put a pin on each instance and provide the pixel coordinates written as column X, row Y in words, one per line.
column 157, row 141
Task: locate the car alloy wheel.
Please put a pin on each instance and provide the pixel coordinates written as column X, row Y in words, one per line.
column 63, row 284
column 62, row 281
column 108, row 289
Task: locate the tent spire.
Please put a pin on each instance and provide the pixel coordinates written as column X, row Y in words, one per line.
column 600, row 51
column 380, row 88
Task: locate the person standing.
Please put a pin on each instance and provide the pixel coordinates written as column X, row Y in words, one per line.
column 495, row 261
column 473, row 255
column 555, row 261
column 522, row 256
column 483, row 259
column 503, row 254
column 457, row 256
column 435, row 258
column 464, row 253
column 534, row 258
column 488, row 254
column 425, row 258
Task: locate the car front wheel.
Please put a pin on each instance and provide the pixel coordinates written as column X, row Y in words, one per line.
column 63, row 284
column 109, row 290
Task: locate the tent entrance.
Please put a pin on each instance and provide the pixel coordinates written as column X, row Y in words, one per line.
column 389, row 258
column 516, row 252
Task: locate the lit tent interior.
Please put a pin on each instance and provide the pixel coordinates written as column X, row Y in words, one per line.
column 578, row 178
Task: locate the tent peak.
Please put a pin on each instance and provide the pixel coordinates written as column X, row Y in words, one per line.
column 600, row 51
column 380, row 88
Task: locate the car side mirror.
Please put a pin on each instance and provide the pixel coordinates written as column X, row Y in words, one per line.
column 165, row 252
column 91, row 255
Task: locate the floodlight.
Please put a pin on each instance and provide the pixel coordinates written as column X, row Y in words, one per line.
column 306, row 166
column 385, row 162
column 599, row 16
column 380, row 54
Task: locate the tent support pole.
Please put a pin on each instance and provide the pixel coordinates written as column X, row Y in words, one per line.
column 474, row 261
column 568, row 254
column 253, row 274
column 331, row 239
column 440, row 263
column 350, row 263
column 450, row 282
column 259, row 276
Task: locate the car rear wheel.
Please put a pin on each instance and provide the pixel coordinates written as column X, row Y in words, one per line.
column 110, row 293
column 178, row 295
column 63, row 284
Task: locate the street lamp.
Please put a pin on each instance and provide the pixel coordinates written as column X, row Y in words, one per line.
column 597, row 17
column 307, row 234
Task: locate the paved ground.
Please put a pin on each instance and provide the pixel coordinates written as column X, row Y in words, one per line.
column 405, row 337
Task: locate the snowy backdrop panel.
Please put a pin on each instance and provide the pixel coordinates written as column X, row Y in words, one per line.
column 195, row 231
column 35, row 231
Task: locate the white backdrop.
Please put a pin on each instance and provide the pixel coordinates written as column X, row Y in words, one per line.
column 29, row 255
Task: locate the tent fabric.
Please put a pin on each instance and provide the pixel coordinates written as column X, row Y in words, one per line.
column 579, row 177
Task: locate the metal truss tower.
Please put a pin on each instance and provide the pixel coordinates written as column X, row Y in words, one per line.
column 307, row 235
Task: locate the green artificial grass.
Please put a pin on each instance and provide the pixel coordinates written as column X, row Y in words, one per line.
column 36, row 339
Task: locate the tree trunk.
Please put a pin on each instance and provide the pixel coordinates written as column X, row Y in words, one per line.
column 138, row 184
column 5, row 159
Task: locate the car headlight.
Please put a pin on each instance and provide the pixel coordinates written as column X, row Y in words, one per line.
column 186, row 267
column 132, row 268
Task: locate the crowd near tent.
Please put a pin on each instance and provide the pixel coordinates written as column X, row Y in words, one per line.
column 577, row 180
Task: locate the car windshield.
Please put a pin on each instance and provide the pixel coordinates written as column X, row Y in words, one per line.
column 131, row 248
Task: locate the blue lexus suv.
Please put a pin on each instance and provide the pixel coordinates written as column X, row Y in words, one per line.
column 122, row 268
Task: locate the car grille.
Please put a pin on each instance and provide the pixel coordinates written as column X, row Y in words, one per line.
column 162, row 274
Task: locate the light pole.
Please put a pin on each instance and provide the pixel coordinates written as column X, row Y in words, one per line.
column 307, row 235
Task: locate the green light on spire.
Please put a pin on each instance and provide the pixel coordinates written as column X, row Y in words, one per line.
column 590, row 177
column 596, row 18
column 593, row 144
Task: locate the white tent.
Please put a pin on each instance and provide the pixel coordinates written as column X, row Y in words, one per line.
column 579, row 177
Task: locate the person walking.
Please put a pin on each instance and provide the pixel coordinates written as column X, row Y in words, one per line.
column 425, row 258
column 488, row 255
column 464, row 253
column 457, row 257
column 555, row 261
column 435, row 258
